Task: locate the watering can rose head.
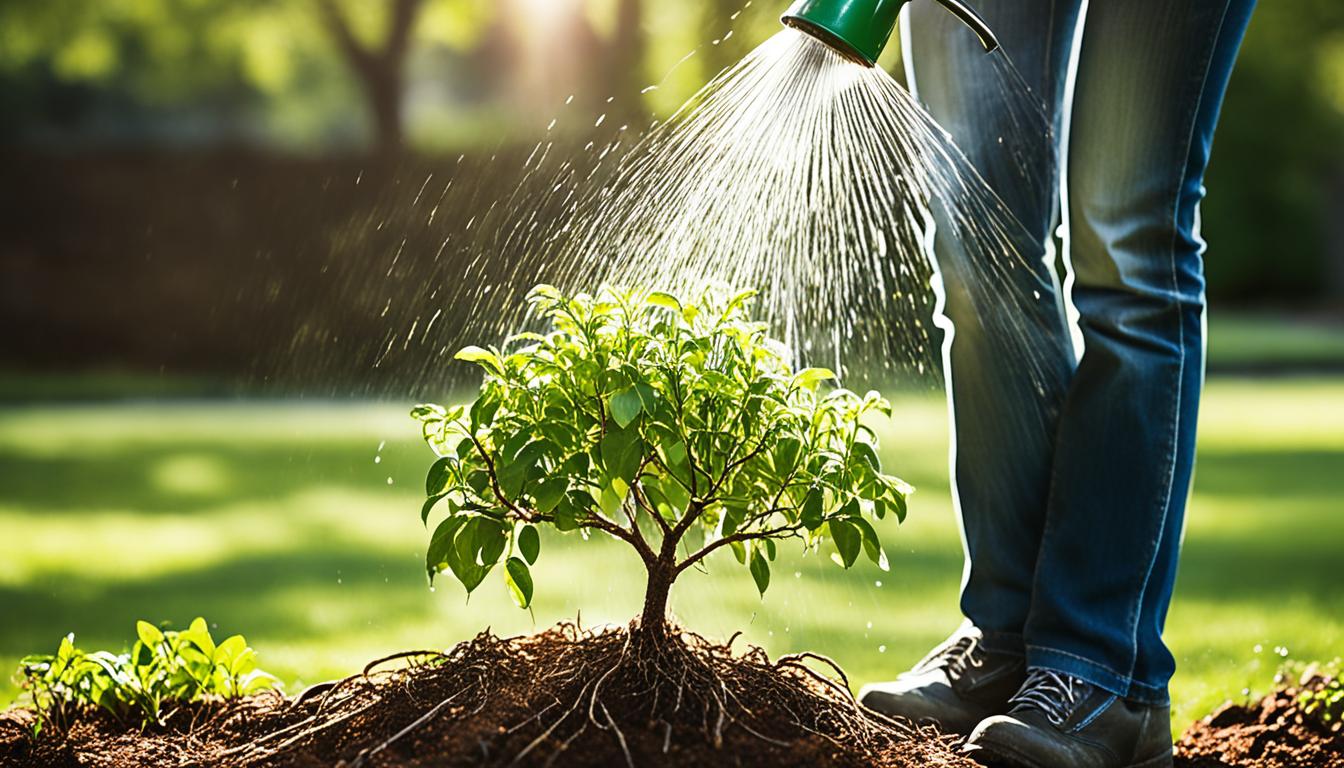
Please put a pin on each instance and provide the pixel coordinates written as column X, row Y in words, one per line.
column 676, row 425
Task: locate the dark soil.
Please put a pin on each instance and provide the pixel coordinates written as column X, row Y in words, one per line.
column 1273, row 733
column 566, row 697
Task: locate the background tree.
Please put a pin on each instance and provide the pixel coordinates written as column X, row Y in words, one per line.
column 381, row 67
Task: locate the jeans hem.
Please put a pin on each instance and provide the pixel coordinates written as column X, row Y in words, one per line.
column 1103, row 677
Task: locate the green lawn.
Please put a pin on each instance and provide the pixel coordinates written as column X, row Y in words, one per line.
column 286, row 522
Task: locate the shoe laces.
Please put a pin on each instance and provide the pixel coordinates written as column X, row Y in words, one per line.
column 1054, row 694
column 956, row 656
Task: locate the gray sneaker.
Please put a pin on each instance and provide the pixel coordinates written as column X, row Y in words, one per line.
column 956, row 686
column 1059, row 721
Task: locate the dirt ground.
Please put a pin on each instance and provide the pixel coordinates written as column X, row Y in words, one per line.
column 566, row 697
column 1272, row 733
column 571, row 697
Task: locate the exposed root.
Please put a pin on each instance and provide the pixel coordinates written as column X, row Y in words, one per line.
column 569, row 697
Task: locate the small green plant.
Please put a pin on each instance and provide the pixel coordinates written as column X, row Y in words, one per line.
column 676, row 426
column 162, row 668
column 1322, row 691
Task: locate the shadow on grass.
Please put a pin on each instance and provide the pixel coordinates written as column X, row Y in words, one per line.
column 197, row 476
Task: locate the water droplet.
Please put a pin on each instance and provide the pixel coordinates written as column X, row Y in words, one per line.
column 389, row 481
column 1258, row 648
column 877, row 583
column 797, row 574
column 377, row 459
column 881, row 649
column 870, row 625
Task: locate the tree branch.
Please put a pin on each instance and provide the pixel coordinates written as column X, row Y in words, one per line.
column 781, row 532
column 494, row 481
column 637, row 535
column 607, row 526
column 334, row 20
column 643, row 502
column 399, row 30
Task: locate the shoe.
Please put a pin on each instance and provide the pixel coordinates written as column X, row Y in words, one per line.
column 1059, row 721
column 956, row 686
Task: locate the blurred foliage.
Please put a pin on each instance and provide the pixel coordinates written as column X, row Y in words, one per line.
column 1277, row 174
column 474, row 73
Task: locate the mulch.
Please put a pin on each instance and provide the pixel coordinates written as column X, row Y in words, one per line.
column 565, row 697
column 1271, row 733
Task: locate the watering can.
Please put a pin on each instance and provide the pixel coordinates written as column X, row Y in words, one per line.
column 860, row 29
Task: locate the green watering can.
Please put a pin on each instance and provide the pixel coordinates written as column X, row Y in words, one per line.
column 860, row 29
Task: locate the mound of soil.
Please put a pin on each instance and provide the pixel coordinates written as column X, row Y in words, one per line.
column 566, row 697
column 1273, row 733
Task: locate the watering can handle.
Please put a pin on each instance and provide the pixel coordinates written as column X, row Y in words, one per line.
column 973, row 20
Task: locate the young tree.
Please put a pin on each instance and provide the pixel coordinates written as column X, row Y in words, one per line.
column 678, row 427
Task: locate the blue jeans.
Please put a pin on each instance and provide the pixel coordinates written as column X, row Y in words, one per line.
column 1072, row 536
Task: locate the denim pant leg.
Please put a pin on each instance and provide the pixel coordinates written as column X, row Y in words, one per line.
column 1151, row 77
column 1002, row 423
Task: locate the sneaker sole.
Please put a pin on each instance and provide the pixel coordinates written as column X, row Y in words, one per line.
column 1015, row 759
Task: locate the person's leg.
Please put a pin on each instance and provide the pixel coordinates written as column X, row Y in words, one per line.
column 1150, row 80
column 1002, row 422
column 1006, row 351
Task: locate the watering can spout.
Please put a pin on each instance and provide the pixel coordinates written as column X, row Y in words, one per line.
column 860, row 29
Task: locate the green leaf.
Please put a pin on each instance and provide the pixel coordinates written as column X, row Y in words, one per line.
column 479, row 355
column 149, row 634
column 441, row 543
column 549, row 492
column 529, row 543
column 760, row 570
column 519, row 579
column 622, row 450
column 847, row 540
column 429, row 506
column 567, row 514
column 813, row 514
column 428, row 411
column 865, row 453
column 440, row 473
column 483, row 412
column 625, row 406
column 786, row 454
column 872, row 546
column 809, row 378
column 665, row 300
column 739, row 551
column 733, row 515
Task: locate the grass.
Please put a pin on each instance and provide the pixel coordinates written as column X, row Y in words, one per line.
column 288, row 523
column 1264, row 341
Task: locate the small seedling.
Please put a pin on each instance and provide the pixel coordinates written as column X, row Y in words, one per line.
column 162, row 668
column 676, row 426
column 1322, row 693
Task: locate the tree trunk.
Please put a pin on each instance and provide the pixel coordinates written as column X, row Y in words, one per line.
column 624, row 63
column 384, row 91
column 379, row 69
column 653, row 620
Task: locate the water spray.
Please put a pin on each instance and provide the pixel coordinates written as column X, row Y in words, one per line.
column 860, row 29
